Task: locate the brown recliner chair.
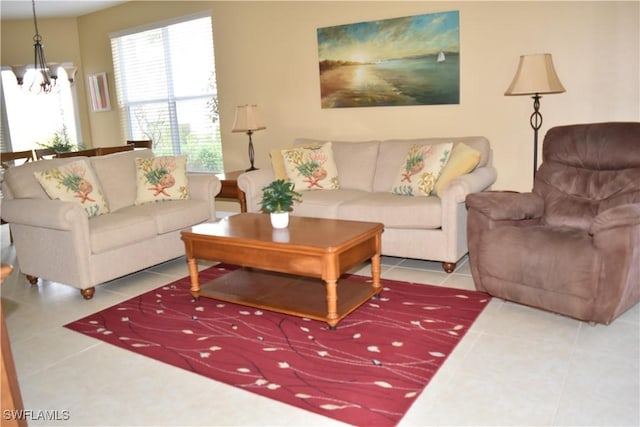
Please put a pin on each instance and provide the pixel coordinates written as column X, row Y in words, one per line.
column 572, row 246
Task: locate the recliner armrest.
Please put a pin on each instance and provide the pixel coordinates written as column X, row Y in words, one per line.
column 620, row 216
column 504, row 205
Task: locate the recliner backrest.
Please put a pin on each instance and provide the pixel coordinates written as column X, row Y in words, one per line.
column 586, row 169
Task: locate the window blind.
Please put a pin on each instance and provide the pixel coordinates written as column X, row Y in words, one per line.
column 166, row 90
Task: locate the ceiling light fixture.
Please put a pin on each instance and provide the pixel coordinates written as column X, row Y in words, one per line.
column 46, row 75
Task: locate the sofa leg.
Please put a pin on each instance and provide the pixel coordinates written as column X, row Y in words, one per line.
column 87, row 293
column 449, row 266
column 32, row 279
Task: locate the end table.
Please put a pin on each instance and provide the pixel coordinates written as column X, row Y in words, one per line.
column 230, row 190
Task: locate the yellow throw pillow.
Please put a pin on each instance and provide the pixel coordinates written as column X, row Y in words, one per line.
column 74, row 182
column 277, row 163
column 311, row 168
column 421, row 169
column 161, row 178
column 463, row 159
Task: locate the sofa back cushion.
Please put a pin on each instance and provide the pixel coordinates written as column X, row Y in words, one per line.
column 117, row 175
column 587, row 169
column 393, row 154
column 355, row 162
column 22, row 182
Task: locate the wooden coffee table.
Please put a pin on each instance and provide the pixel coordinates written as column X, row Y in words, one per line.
column 281, row 268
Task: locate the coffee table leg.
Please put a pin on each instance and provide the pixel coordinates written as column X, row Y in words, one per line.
column 193, row 273
column 375, row 275
column 332, row 303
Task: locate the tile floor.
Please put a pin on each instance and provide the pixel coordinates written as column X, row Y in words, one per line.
column 517, row 366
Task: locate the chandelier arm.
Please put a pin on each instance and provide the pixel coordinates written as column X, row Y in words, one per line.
column 40, row 63
column 35, row 21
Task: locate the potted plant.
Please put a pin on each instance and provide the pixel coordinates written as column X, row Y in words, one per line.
column 60, row 142
column 277, row 200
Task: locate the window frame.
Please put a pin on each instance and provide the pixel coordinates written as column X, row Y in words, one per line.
column 171, row 102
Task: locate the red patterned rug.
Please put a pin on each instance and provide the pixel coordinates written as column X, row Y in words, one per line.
column 367, row 372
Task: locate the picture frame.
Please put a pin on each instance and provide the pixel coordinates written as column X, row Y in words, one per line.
column 99, row 92
column 411, row 60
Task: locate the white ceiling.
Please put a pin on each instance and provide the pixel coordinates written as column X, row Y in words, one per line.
column 22, row 9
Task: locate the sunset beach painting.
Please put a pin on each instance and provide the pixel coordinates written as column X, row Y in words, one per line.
column 412, row 60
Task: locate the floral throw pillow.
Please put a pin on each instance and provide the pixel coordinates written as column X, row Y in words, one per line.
column 74, row 182
column 421, row 169
column 161, row 178
column 311, row 168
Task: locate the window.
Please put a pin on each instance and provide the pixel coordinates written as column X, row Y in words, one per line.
column 166, row 90
column 36, row 119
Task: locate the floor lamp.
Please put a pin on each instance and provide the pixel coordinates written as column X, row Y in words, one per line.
column 248, row 120
column 535, row 76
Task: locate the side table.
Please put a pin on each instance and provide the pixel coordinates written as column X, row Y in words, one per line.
column 230, row 190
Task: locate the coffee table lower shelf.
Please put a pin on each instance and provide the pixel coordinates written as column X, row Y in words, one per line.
column 288, row 294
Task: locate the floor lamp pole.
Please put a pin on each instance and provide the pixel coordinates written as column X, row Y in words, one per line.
column 252, row 168
column 536, row 123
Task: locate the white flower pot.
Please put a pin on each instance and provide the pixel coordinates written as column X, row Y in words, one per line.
column 279, row 219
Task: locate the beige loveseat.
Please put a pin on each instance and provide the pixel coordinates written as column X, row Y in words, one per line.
column 56, row 240
column 429, row 228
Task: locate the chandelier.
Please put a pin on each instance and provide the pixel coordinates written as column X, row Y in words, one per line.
column 46, row 74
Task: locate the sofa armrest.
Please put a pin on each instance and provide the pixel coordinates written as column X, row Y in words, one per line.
column 54, row 214
column 479, row 180
column 505, row 205
column 204, row 186
column 252, row 183
column 622, row 216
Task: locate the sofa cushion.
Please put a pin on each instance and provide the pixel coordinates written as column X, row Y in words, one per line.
column 355, row 161
column 161, row 178
column 394, row 211
column 421, row 169
column 74, row 182
column 117, row 175
column 463, row 159
column 172, row 215
column 324, row 204
column 118, row 229
column 22, row 182
column 311, row 168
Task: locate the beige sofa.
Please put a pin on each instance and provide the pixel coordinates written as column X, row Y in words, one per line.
column 57, row 241
column 429, row 228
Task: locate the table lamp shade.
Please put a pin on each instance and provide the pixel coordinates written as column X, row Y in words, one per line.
column 248, row 118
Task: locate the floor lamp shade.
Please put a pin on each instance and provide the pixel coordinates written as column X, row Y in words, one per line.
column 248, row 120
column 536, row 75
